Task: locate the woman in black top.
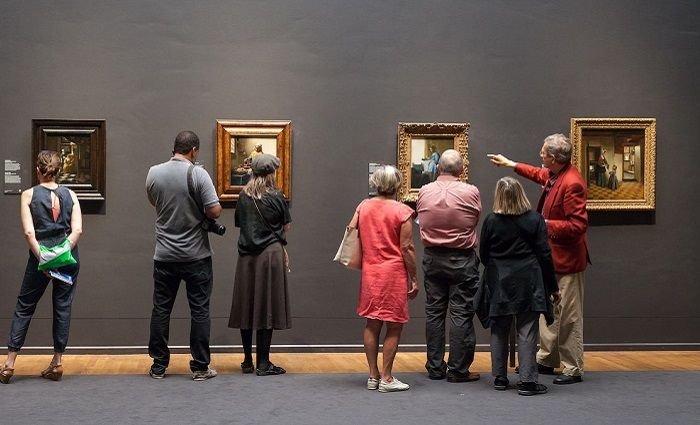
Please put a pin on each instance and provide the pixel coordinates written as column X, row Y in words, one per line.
column 50, row 214
column 260, row 295
column 518, row 281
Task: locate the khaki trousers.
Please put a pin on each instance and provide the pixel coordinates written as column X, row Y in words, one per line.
column 563, row 340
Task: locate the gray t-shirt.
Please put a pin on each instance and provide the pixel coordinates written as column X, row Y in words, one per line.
column 179, row 234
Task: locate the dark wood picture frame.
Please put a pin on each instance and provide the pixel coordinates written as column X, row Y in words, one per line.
column 87, row 155
column 280, row 131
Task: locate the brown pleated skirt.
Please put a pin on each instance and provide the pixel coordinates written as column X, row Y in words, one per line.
column 260, row 295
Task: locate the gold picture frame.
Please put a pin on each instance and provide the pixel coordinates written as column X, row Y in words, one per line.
column 617, row 159
column 419, row 148
column 238, row 141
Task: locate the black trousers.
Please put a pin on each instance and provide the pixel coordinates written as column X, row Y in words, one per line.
column 451, row 280
column 199, row 278
column 33, row 287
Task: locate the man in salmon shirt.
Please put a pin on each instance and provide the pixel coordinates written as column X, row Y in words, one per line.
column 563, row 205
column 448, row 212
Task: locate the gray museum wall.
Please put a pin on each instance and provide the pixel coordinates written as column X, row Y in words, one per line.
column 344, row 73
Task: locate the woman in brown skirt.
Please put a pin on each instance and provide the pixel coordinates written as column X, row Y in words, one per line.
column 260, row 296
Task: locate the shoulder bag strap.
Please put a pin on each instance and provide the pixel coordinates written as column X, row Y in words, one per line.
column 190, row 189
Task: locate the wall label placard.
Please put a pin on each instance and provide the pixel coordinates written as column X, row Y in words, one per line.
column 13, row 177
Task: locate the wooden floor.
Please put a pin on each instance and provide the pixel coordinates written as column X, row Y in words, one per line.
column 130, row 364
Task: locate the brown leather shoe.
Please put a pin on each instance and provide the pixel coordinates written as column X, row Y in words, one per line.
column 53, row 372
column 462, row 377
column 6, row 374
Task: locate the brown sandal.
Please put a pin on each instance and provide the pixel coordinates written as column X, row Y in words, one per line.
column 5, row 374
column 53, row 372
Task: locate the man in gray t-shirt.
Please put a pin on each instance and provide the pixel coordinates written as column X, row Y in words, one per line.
column 182, row 253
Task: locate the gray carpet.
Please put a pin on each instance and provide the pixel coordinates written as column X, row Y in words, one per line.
column 603, row 398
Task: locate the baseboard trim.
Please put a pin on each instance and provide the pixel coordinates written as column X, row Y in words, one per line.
column 341, row 348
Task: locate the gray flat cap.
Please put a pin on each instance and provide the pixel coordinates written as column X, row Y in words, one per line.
column 264, row 164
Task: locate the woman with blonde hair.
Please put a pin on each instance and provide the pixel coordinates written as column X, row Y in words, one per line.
column 518, row 281
column 388, row 274
column 260, row 294
column 50, row 217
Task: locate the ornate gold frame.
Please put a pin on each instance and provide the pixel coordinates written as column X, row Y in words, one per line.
column 225, row 129
column 648, row 202
column 406, row 132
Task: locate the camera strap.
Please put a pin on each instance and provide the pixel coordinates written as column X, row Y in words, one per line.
column 193, row 195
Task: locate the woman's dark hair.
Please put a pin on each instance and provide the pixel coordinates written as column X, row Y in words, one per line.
column 48, row 163
column 185, row 141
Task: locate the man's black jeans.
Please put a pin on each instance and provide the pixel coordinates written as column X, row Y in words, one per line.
column 199, row 278
column 451, row 280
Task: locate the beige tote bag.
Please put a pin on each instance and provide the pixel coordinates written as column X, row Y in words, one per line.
column 350, row 251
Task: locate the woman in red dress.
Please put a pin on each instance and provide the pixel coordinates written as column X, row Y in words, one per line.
column 388, row 274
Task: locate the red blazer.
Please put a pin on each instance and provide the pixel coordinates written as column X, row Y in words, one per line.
column 565, row 212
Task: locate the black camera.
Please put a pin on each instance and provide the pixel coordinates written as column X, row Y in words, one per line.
column 211, row 226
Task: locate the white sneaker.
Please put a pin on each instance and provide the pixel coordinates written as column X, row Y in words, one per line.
column 394, row 385
column 372, row 384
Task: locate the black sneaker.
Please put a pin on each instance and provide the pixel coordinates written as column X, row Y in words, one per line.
column 271, row 370
column 500, row 383
column 156, row 373
column 531, row 388
column 247, row 367
column 203, row 375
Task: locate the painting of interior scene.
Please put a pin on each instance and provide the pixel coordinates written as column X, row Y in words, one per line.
column 615, row 163
column 425, row 155
column 75, row 157
column 243, row 150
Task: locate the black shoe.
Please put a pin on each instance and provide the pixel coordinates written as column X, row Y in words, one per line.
column 271, row 370
column 567, row 379
column 156, row 373
column 541, row 369
column 436, row 376
column 462, row 377
column 531, row 388
column 247, row 367
column 500, row 383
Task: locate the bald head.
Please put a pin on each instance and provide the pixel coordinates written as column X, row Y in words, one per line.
column 451, row 163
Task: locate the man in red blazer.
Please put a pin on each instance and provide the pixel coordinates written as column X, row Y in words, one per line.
column 563, row 205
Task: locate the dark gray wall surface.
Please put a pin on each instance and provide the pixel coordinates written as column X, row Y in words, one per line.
column 345, row 72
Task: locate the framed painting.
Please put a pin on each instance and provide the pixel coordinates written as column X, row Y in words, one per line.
column 238, row 142
column 617, row 159
column 81, row 144
column 419, row 148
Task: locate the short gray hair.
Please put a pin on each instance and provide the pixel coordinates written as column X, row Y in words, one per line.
column 559, row 147
column 386, row 180
column 451, row 163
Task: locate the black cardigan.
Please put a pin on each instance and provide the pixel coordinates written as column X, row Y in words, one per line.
column 518, row 275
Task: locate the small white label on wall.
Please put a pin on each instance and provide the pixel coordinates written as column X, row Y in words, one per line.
column 13, row 177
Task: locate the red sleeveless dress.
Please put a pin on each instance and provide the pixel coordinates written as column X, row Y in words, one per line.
column 384, row 284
